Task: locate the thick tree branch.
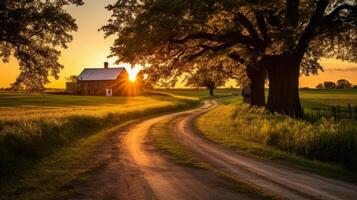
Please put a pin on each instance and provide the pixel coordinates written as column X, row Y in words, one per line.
column 309, row 32
column 335, row 14
column 246, row 24
column 233, row 75
column 319, row 22
column 196, row 36
column 220, row 47
column 230, row 37
column 206, row 48
column 262, row 26
column 235, row 56
column 337, row 10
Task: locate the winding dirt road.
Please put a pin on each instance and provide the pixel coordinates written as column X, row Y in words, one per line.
column 286, row 182
column 167, row 180
column 133, row 169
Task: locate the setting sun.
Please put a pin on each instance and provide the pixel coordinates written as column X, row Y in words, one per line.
column 132, row 71
column 132, row 77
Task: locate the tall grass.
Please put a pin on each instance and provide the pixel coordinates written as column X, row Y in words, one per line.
column 35, row 136
column 324, row 140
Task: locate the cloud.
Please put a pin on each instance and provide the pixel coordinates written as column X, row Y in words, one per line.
column 342, row 69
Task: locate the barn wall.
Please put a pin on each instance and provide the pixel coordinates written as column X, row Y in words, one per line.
column 120, row 87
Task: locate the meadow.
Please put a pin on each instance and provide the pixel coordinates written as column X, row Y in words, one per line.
column 202, row 94
column 31, row 125
column 47, row 138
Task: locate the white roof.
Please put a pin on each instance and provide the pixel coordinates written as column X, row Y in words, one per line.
column 100, row 74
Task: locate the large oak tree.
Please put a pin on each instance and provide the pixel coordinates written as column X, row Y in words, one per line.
column 33, row 31
column 281, row 37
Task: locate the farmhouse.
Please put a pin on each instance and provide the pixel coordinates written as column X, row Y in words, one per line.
column 101, row 81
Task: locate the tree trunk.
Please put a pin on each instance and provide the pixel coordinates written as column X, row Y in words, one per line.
column 257, row 82
column 211, row 91
column 283, row 73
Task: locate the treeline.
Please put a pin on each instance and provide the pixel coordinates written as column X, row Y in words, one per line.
column 340, row 84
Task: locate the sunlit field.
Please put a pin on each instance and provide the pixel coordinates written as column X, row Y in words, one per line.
column 19, row 106
column 32, row 124
column 202, row 93
column 333, row 97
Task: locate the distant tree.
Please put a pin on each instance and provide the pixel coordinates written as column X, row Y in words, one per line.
column 320, row 86
column 209, row 77
column 343, row 83
column 72, row 78
column 329, row 85
column 355, row 87
column 33, row 31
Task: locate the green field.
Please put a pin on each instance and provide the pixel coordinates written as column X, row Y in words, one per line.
column 333, row 97
column 201, row 93
column 31, row 124
column 14, row 105
column 311, row 98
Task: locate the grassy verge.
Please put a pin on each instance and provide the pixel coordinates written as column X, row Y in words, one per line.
column 43, row 158
column 166, row 142
column 257, row 133
column 53, row 176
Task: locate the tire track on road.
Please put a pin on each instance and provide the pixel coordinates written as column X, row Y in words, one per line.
column 287, row 182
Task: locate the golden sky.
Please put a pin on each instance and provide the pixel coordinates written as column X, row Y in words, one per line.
column 90, row 49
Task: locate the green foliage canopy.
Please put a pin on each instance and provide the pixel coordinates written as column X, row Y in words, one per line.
column 171, row 34
column 33, row 31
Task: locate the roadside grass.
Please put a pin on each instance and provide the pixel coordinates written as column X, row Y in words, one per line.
column 256, row 133
column 40, row 153
column 165, row 142
column 55, row 176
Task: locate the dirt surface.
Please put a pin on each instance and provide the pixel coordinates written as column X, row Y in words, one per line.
column 167, row 180
column 287, row 182
column 129, row 167
column 114, row 175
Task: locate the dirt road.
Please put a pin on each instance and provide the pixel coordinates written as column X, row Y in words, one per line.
column 167, row 180
column 133, row 169
column 287, row 182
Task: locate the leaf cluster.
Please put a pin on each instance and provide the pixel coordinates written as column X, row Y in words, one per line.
column 33, row 31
